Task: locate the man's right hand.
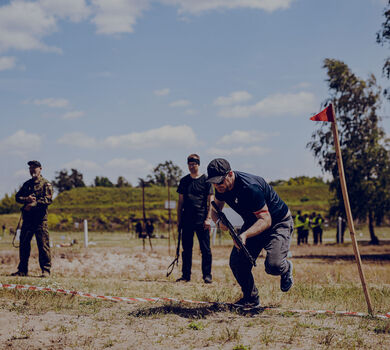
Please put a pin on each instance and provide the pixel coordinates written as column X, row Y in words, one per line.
column 31, row 198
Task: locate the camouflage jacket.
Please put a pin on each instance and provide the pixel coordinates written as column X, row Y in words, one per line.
column 43, row 192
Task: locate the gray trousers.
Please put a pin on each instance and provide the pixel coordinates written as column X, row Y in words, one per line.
column 276, row 241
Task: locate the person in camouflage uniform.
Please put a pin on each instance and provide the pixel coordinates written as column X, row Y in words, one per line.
column 35, row 195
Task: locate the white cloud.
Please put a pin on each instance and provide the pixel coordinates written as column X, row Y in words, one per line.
column 52, row 102
column 7, row 62
column 78, row 139
column 233, row 98
column 238, row 151
column 180, row 103
column 73, row 115
column 25, row 23
column 82, row 165
column 191, row 111
column 119, row 16
column 21, row 143
column 166, row 136
column 162, row 92
column 302, row 103
column 22, row 26
column 75, row 10
column 198, row 6
column 246, row 137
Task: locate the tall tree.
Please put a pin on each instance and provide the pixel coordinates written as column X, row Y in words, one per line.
column 365, row 150
column 383, row 37
column 65, row 182
column 102, row 181
column 167, row 172
column 122, row 182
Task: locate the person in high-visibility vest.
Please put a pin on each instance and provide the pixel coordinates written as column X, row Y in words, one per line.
column 305, row 229
column 298, row 224
column 316, row 225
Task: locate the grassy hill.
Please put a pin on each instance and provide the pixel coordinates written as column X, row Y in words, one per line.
column 110, row 209
column 117, row 208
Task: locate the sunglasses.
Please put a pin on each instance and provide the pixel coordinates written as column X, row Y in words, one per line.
column 223, row 180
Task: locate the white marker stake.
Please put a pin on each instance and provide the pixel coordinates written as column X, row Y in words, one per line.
column 86, row 233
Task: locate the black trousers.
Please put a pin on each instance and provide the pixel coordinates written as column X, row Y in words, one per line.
column 188, row 243
column 42, row 236
column 300, row 235
column 317, row 235
column 276, row 241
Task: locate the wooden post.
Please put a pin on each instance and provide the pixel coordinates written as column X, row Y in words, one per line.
column 348, row 211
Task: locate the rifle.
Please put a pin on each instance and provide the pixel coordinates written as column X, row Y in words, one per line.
column 176, row 260
column 236, row 238
column 16, row 231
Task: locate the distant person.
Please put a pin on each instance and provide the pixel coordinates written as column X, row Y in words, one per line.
column 298, row 223
column 3, row 227
column 149, row 228
column 317, row 225
column 36, row 195
column 341, row 226
column 139, row 229
column 305, row 229
column 193, row 215
column 267, row 224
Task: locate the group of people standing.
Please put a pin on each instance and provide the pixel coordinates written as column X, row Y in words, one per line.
column 303, row 224
column 268, row 223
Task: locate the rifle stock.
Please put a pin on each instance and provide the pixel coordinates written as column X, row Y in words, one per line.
column 236, row 238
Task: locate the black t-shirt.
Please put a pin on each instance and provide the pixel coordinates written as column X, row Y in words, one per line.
column 249, row 194
column 195, row 193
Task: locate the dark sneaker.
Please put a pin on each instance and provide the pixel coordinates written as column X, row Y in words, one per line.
column 248, row 303
column 208, row 279
column 45, row 274
column 183, row 279
column 19, row 274
column 286, row 280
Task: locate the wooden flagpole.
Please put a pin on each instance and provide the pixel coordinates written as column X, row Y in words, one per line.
column 348, row 211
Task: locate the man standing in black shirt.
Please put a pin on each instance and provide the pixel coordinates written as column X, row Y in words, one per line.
column 193, row 215
column 267, row 224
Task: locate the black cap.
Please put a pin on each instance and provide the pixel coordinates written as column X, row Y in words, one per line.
column 34, row 163
column 217, row 170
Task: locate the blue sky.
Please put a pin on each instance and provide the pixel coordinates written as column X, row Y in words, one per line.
column 114, row 87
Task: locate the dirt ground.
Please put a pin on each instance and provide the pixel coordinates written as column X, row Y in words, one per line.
column 44, row 320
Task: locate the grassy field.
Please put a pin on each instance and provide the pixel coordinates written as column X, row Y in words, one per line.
column 117, row 265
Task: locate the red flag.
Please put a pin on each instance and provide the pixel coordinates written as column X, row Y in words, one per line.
column 325, row 116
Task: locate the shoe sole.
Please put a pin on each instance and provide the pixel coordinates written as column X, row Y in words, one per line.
column 292, row 280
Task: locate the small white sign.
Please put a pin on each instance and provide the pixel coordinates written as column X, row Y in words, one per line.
column 170, row 204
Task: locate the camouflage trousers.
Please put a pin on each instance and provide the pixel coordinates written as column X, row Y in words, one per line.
column 42, row 237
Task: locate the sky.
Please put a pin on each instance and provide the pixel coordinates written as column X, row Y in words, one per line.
column 115, row 87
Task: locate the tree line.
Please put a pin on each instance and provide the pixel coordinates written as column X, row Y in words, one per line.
column 163, row 174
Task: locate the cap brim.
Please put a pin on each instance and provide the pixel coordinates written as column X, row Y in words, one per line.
column 216, row 179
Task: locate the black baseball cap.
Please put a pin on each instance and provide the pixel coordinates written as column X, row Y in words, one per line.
column 34, row 163
column 217, row 170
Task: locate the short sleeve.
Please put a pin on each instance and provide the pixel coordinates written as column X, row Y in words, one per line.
column 181, row 189
column 255, row 199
